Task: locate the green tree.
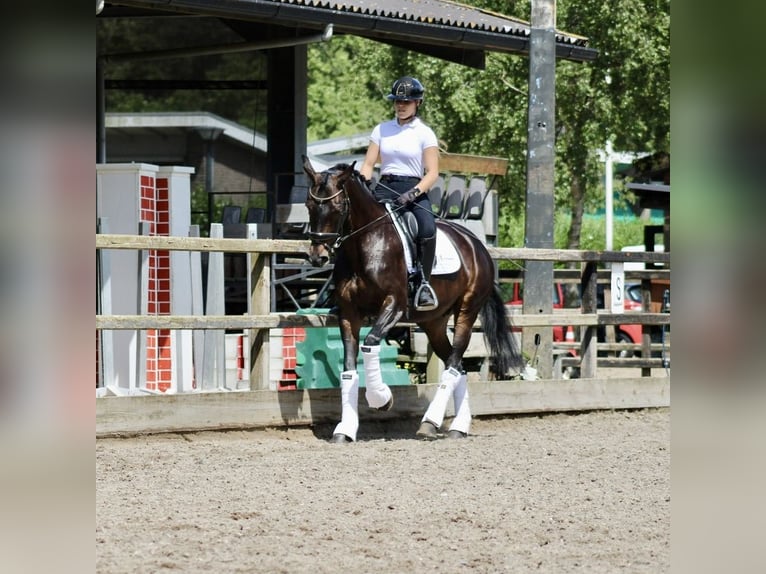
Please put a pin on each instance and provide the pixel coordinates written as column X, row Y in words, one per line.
column 623, row 96
column 345, row 96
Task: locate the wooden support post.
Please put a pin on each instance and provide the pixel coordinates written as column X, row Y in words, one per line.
column 259, row 287
column 541, row 133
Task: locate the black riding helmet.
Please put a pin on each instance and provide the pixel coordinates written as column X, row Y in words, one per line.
column 406, row 89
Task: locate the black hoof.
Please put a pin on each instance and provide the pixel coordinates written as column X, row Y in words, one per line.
column 340, row 438
column 456, row 434
column 427, row 431
column 388, row 405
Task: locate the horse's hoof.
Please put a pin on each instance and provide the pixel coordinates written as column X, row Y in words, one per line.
column 340, row 438
column 388, row 405
column 427, row 431
column 456, row 434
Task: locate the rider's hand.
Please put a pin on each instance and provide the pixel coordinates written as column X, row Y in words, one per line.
column 408, row 197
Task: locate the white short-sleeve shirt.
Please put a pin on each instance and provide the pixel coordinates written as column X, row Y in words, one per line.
column 401, row 147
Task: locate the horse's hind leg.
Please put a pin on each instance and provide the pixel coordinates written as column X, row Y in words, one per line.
column 451, row 384
column 461, row 424
column 434, row 416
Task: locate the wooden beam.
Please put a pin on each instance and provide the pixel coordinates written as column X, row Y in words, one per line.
column 230, row 245
column 464, row 163
column 177, row 243
column 119, row 416
column 286, row 320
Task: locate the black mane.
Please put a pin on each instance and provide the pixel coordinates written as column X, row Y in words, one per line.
column 343, row 167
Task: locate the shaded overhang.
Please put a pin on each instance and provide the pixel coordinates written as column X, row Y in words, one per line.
column 440, row 28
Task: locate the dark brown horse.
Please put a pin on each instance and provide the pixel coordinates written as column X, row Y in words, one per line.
column 371, row 282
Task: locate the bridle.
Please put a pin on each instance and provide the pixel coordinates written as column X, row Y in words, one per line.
column 333, row 240
column 326, row 238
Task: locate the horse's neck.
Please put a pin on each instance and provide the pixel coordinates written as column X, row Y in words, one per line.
column 364, row 208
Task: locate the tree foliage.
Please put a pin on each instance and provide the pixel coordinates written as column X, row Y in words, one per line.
column 623, row 96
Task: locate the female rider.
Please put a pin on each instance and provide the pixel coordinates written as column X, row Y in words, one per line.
column 408, row 153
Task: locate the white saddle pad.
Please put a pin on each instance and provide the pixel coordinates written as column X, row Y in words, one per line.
column 446, row 259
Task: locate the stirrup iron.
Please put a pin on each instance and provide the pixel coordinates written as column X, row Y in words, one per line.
column 426, row 286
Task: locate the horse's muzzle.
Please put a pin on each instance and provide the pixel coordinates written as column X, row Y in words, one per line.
column 319, row 254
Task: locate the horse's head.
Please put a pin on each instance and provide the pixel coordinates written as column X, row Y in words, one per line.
column 328, row 207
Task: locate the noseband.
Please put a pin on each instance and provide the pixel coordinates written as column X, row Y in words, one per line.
column 331, row 240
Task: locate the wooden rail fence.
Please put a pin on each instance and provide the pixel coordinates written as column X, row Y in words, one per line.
column 589, row 392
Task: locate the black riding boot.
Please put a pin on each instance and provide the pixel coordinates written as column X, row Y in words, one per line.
column 425, row 297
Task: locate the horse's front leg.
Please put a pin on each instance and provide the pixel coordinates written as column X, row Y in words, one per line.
column 345, row 430
column 377, row 393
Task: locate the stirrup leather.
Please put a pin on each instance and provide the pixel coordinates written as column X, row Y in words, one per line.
column 425, row 288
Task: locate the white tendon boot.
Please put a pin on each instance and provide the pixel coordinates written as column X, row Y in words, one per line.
column 438, row 406
column 377, row 393
column 461, row 424
column 349, row 397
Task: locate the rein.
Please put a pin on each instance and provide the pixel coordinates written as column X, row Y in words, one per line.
column 325, row 238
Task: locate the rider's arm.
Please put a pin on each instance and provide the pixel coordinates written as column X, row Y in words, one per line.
column 431, row 166
column 370, row 159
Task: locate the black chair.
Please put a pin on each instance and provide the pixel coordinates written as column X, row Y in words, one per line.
column 255, row 215
column 474, row 201
column 231, row 214
column 436, row 195
column 453, row 202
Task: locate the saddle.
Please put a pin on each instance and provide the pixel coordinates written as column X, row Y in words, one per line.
column 446, row 259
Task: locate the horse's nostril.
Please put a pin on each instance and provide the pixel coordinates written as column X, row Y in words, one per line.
column 318, row 260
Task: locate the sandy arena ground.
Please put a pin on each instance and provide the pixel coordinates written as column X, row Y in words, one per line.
column 558, row 493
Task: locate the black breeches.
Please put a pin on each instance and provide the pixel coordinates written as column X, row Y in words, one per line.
column 421, row 208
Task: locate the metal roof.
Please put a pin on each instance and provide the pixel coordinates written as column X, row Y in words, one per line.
column 169, row 125
column 442, row 28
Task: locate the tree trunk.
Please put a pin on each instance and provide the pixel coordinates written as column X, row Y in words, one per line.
column 577, row 195
column 577, row 202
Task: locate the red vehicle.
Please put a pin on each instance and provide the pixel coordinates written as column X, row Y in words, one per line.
column 623, row 334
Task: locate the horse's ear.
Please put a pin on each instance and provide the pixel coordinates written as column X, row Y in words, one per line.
column 307, row 168
column 349, row 171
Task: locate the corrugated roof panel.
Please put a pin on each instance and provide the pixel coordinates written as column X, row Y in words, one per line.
column 444, row 12
column 438, row 24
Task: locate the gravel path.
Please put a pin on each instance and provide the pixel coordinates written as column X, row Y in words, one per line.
column 557, row 493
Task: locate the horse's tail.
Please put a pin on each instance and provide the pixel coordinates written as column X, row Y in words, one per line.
column 504, row 352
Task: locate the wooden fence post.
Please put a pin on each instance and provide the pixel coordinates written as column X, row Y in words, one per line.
column 106, row 339
column 646, row 332
column 214, row 375
column 143, row 308
column 589, row 339
column 198, row 308
column 259, row 287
